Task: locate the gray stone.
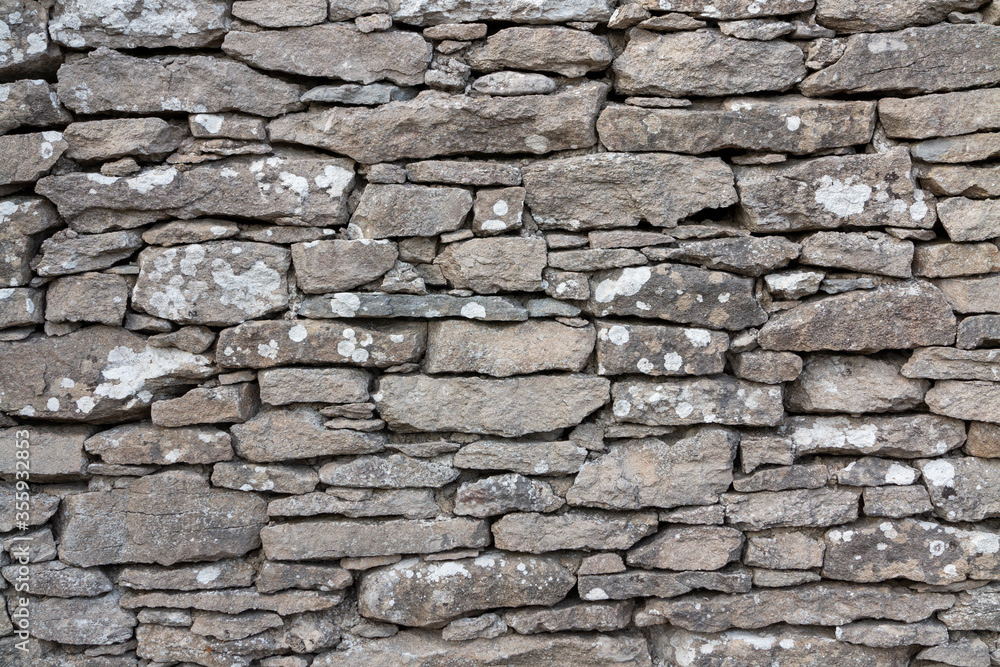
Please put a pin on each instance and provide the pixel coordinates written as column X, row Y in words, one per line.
column 29, row 102
column 571, row 616
column 64, row 253
column 946, row 363
column 975, row 400
column 896, row 501
column 966, row 148
column 275, row 478
column 90, row 297
column 858, row 16
column 31, row 156
column 175, row 512
column 692, row 470
column 514, row 83
column 964, row 180
column 335, row 266
column 902, row 436
column 941, row 115
column 972, row 295
column 949, row 260
column 208, row 405
column 24, row 306
column 788, row 509
column 343, row 10
column 812, row 604
column 41, row 509
column 178, row 23
column 433, row 12
column 870, row 471
column 471, row 172
column 831, row 192
column 284, row 603
column 970, row 219
column 508, row 407
column 25, row 46
column 110, row 81
column 354, row 538
column 678, row 293
column 897, row 316
column 568, row 52
column 436, row 123
column 281, row 13
column 748, row 255
column 527, row 458
column 487, row 626
column 429, row 306
column 393, row 471
column 184, row 232
column 978, row 609
column 596, row 259
column 280, row 386
column 803, row 476
column 790, row 123
column 497, row 211
column 759, row 29
column 280, row 435
column 492, row 265
column 643, row 583
column 22, row 221
column 410, row 503
column 915, row 60
column 505, row 493
column 766, row 366
column 144, row 443
column 722, row 400
column 229, row 125
column 963, row 489
column 620, row 189
column 854, row 384
column 265, row 344
column 461, row 586
column 962, row 651
column 274, row 577
column 501, row 350
column 575, row 529
column 867, row 252
column 688, row 548
column 978, row 330
column 111, row 139
column 55, row 579
column 409, row 210
column 624, row 348
column 259, row 188
column 731, row 9
column 169, row 645
column 335, row 51
column 352, row 93
column 785, row 551
column 662, row 64
column 91, row 621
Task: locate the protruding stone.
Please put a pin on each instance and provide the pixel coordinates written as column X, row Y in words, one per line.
column 854, row 384
column 688, row 548
column 394, row 471
column 354, row 503
column 208, row 405
column 859, row 16
column 505, row 493
column 970, row 219
column 488, row 266
column 30, row 156
column 942, row 115
column 95, row 621
column 963, row 489
column 974, row 400
column 275, row 478
column 528, row 458
column 896, row 501
column 335, row 266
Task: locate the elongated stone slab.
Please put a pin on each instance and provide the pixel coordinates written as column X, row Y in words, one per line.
column 624, row 348
column 576, row 529
column 789, row 123
column 721, row 400
column 788, row 509
column 428, row 306
column 281, row 435
column 178, row 23
column 901, row 436
column 942, row 115
column 434, row 12
column 439, row 124
column 144, row 443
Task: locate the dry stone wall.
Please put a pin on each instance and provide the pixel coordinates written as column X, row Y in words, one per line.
column 459, row 333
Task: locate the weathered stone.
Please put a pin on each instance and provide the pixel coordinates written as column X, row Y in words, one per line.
column 81, row 620
column 487, row 626
column 858, row 16
column 239, row 626
column 975, row 400
column 409, row 210
column 276, row 189
column 284, row 603
column 916, row 60
column 29, row 102
column 970, row 219
column 811, row 604
column 280, row 435
column 110, row 81
column 90, row 297
column 854, row 384
column 605, row 563
column 783, row 478
column 662, row 64
column 324, row 540
column 596, row 259
column 281, row 13
column 897, row 316
column 54, row 377
column 896, row 501
column 434, row 12
column 619, row 189
column 23, row 306
column 394, row 471
column 497, row 211
column 335, row 50
column 276, row 479
column 328, row 266
column 867, row 252
column 55, row 579
column 946, row 363
column 429, row 306
column 179, row 23
column 527, row 458
column 410, row 503
column 978, row 609
column 963, row 489
column 766, row 366
column 280, row 386
column 575, row 529
column 831, row 192
column 794, row 284
column 63, row 253
column 722, row 400
column 942, row 115
column 984, row 440
column 439, row 124
column 792, row 124
column 728, row 10
column 464, row 172
column 643, row 583
column 949, row 260
column 571, row 616
column 977, row 331
column 229, row 125
column 494, row 579
column 25, row 49
column 785, row 551
column 967, row 181
column 164, row 644
column 972, row 295
column 208, row 405
column 759, row 29
column 492, row 265
column 274, row 577
column 353, row 93
column 658, row 350
column 966, row 148
column 184, row 232
column 773, row 646
column 581, row 650
column 165, row 518
column 902, row 436
column 748, row 255
column 501, row 350
column 22, row 221
column 688, row 548
column 959, row 651
column 786, row 509
column 266, row 344
column 678, row 293
column 870, row 471
column 145, row 443
column 692, row 470
column 111, row 139
column 31, row 156
column 565, row 51
column 505, row 84
column 505, row 493
column 42, row 507
column 508, row 407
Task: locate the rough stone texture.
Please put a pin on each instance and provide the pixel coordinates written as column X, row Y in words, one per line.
column 689, row 548
column 785, row 509
column 854, row 384
column 438, row 124
column 658, row 350
column 575, row 529
column 561, row 50
column 620, row 189
column 280, row 435
column 335, row 266
column 148, row 444
column 942, row 115
column 723, row 400
column 183, row 23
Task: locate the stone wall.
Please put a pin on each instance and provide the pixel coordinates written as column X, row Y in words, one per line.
column 531, row 332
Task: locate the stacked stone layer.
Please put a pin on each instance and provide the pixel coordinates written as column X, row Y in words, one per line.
column 453, row 332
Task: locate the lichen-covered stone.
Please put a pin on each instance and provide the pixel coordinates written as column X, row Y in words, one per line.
column 688, row 548
column 179, row 23
column 145, row 443
column 854, row 384
column 30, row 102
column 787, row 509
column 722, row 400
column 624, row 348
column 975, row 400
column 31, row 156
column 963, row 489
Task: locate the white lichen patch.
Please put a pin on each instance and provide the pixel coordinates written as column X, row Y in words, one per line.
column 628, row 283
column 842, row 198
